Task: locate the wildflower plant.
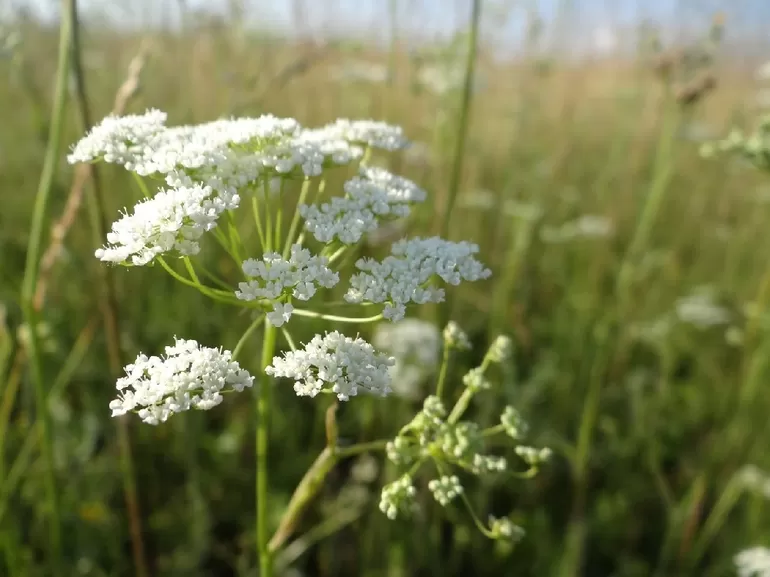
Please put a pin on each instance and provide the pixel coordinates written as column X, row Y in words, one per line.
column 193, row 181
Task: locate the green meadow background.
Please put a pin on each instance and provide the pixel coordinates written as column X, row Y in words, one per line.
column 581, row 180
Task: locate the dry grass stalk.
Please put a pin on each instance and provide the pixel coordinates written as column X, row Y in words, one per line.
column 63, row 224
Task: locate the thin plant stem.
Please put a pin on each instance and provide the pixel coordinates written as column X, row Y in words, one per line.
column 443, row 372
column 444, row 312
column 268, row 214
column 462, row 124
column 258, row 221
column 245, row 337
column 295, row 219
column 263, row 415
column 335, row 318
column 357, row 449
column 31, row 272
column 314, row 477
column 109, row 311
column 663, row 170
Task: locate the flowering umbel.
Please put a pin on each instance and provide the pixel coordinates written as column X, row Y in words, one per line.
column 209, row 179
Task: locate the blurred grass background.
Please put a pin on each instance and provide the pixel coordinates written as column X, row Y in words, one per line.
column 581, row 180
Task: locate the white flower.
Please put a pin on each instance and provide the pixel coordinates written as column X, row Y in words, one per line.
column 273, row 277
column 416, row 346
column 369, row 132
column 754, row 479
column 375, row 195
column 445, row 489
column 586, row 226
column 343, row 365
column 406, row 275
column 119, row 139
column 173, row 220
column 188, row 376
column 361, row 71
column 701, row 310
column 754, row 562
column 398, row 188
column 281, row 314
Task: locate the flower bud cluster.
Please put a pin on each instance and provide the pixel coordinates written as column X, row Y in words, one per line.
column 445, row 489
column 455, row 337
column 398, row 497
column 532, row 456
column 513, row 423
column 505, row 529
column 500, row 350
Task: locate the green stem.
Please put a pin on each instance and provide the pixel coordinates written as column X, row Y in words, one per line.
column 31, row 272
column 215, row 294
column 462, row 125
column 443, row 372
column 249, row 331
column 295, row 219
column 460, row 406
column 268, row 214
column 335, row 318
column 258, row 221
column 359, row 448
column 263, row 414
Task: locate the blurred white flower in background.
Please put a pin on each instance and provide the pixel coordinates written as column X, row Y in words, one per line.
column 416, row 346
column 586, row 226
column 605, row 40
column 755, row 479
column 360, row 71
column 701, row 310
column 754, row 562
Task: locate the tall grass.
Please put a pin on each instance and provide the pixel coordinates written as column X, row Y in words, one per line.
column 652, row 418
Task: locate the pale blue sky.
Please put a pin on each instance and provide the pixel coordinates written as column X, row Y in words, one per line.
column 441, row 17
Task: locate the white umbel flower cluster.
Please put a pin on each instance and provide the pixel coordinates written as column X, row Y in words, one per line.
column 398, row 188
column 119, row 139
column 273, row 277
column 406, row 274
column 173, row 220
column 224, row 158
column 754, row 562
column 334, row 362
column 189, row 376
column 369, row 132
column 369, row 198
